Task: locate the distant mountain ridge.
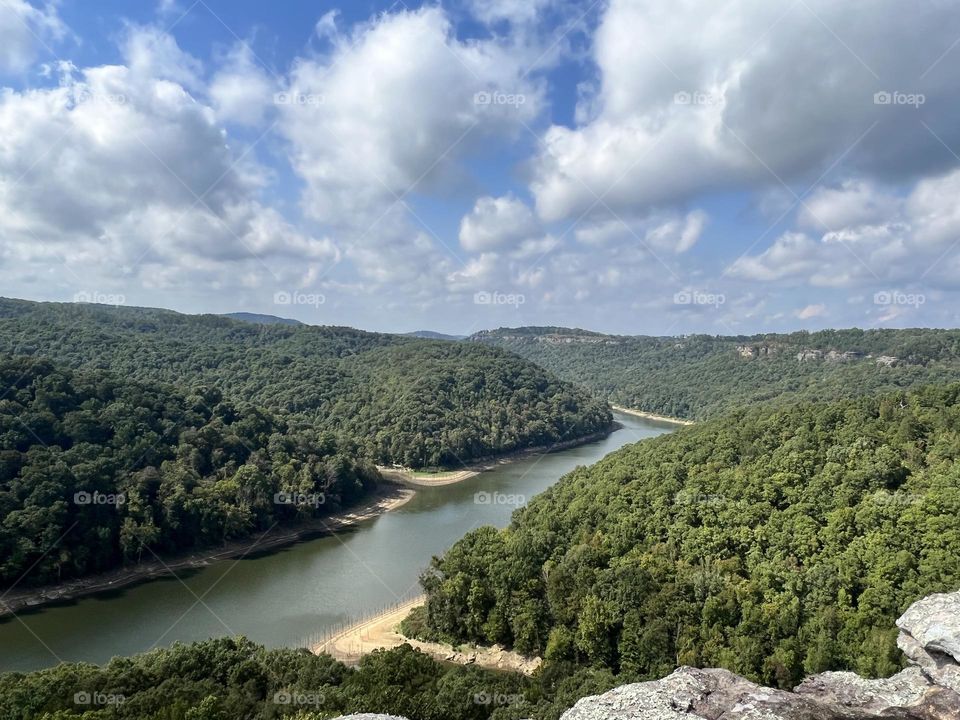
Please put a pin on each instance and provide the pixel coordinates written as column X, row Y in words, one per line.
column 431, row 335
column 698, row 376
column 262, row 319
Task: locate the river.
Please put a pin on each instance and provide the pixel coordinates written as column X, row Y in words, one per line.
column 282, row 598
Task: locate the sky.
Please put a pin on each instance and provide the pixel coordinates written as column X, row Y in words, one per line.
column 628, row 166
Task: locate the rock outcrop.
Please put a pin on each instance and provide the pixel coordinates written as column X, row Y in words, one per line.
column 927, row 690
column 930, row 638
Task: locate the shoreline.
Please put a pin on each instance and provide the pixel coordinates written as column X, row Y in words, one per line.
column 409, row 476
column 382, row 632
column 389, row 496
column 398, row 488
column 652, row 416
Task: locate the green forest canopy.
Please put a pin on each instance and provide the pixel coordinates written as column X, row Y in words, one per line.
column 700, row 376
column 775, row 542
column 123, row 470
column 399, row 399
column 234, row 679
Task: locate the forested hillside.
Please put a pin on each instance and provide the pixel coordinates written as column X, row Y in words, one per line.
column 699, row 376
column 123, row 470
column 399, row 399
column 775, row 541
column 234, row 679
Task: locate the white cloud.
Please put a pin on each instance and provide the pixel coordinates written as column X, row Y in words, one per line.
column 151, row 54
column 873, row 238
column 514, row 11
column 697, row 96
column 811, row 311
column 495, row 222
column 168, row 7
column 241, row 90
column 389, row 114
column 392, row 109
column 935, row 212
column 855, row 202
column 326, row 26
column 679, row 235
column 790, row 255
column 669, row 232
column 24, row 31
column 121, row 173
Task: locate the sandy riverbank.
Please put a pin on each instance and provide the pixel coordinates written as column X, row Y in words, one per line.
column 388, row 497
column 652, row 416
column 382, row 633
column 409, row 476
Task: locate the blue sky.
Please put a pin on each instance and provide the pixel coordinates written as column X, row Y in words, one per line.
column 633, row 166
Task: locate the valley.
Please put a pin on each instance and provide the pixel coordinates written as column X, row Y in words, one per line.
column 288, row 596
column 479, row 360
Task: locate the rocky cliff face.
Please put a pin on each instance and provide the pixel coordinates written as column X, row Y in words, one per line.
column 927, row 690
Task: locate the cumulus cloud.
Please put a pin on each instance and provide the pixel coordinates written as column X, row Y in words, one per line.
column 120, row 172
column 241, row 90
column 152, row 54
column 495, row 222
column 872, row 238
column 669, row 232
column 24, row 30
column 855, row 202
column 388, row 115
column 391, row 110
column 679, row 235
column 696, row 96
